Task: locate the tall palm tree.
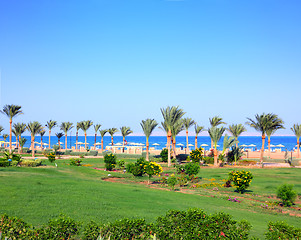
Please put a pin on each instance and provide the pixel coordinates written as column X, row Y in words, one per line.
column 236, row 130
column 125, row 131
column 77, row 129
column 214, row 122
column 50, row 124
column 85, row 125
column 34, row 128
column 297, row 131
column 264, row 123
column 11, row 111
column 175, row 130
column 65, row 127
column 22, row 142
column 148, row 125
column 171, row 115
column 20, row 128
column 102, row 134
column 274, row 126
column 112, row 131
column 187, row 122
column 59, row 136
column 96, row 128
column 215, row 135
column 42, row 133
column 197, row 130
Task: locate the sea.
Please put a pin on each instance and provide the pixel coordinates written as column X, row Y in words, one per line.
column 289, row 142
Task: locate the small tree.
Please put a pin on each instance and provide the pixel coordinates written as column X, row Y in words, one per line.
column 286, row 193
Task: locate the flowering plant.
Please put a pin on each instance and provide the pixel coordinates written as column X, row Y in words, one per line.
column 152, row 168
column 241, row 179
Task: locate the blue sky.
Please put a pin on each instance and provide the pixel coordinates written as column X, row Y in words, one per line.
column 117, row 62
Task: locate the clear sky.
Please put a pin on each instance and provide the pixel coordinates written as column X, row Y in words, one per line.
column 117, row 62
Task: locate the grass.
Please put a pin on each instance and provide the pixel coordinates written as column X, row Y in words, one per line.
column 38, row 194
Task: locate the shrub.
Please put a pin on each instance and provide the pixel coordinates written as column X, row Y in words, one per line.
column 286, row 193
column 192, row 168
column 152, row 168
column 180, row 168
column 138, row 168
column 4, row 163
column 164, row 155
column 61, row 228
column 281, row 230
column 91, row 231
column 68, row 152
column 234, row 154
column 51, row 157
column 196, row 224
column 181, row 157
column 127, row 229
column 208, row 160
column 110, row 161
column 93, row 153
column 120, row 164
column 241, row 179
column 75, row 162
column 30, row 163
column 196, row 155
column 172, row 181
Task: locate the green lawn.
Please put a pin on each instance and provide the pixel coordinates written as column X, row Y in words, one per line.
column 38, row 194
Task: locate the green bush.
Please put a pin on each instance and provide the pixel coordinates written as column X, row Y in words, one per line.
column 4, row 163
column 181, row 157
column 208, row 160
column 192, row 168
column 93, row 153
column 196, row 224
column 164, row 155
column 51, row 157
column 120, row 164
column 31, row 163
column 91, row 231
column 241, row 179
column 75, row 162
column 127, row 229
column 196, row 155
column 172, row 181
column 61, row 228
column 287, row 195
column 281, row 230
column 110, row 161
column 68, row 152
column 235, row 154
column 138, row 168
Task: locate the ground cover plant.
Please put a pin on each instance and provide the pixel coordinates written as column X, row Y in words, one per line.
column 87, row 193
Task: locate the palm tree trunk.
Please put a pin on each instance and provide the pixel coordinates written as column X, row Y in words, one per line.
column 269, row 146
column 168, row 147
column 123, row 144
column 65, row 140
column 76, row 140
column 41, row 142
column 196, row 142
column 236, row 142
column 59, row 143
column 187, row 149
column 85, row 140
column 95, row 141
column 19, row 148
column 262, row 148
column 112, row 140
column 49, row 139
column 102, row 144
column 211, row 144
column 147, row 150
column 32, row 146
column 215, row 157
column 298, row 148
column 174, row 147
column 10, row 133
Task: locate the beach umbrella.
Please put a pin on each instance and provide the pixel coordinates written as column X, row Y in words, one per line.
column 253, row 145
column 118, row 144
column 98, row 143
column 271, row 145
column 180, row 144
column 60, row 143
column 156, row 144
column 190, row 145
column 80, row 143
column 244, row 145
column 45, row 143
column 280, row 145
column 204, row 145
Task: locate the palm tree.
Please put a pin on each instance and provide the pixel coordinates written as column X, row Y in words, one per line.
column 77, row 128
column 297, row 131
column 175, row 130
column 96, row 128
column 85, row 125
column 264, row 123
column 228, row 142
column 65, row 127
column 215, row 135
column 214, row 122
column 19, row 129
column 1, row 129
column 171, row 116
column 16, row 136
column 59, row 136
column 188, row 122
column 112, row 131
column 275, row 125
column 11, row 111
column 125, row 131
column 236, row 130
column 42, row 133
column 148, row 125
column 5, row 136
column 22, row 142
column 50, row 124
column 34, row 128
column 102, row 134
column 197, row 130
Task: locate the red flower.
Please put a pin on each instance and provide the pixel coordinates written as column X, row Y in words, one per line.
column 222, row 234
